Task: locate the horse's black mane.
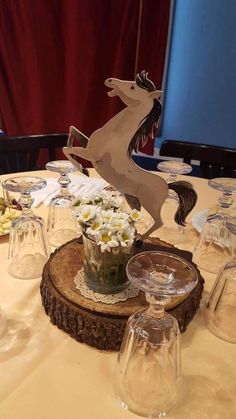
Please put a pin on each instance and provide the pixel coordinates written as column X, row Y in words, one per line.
column 149, row 123
column 144, row 82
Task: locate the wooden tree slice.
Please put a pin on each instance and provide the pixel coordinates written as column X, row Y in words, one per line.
column 95, row 323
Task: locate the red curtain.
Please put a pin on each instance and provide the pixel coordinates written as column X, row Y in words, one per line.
column 56, row 54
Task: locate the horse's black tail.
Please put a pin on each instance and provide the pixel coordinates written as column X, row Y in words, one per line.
column 187, row 199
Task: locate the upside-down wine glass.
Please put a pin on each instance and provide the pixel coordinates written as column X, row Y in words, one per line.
column 62, row 225
column 176, row 234
column 213, row 248
column 28, row 247
column 174, row 168
column 220, row 310
column 148, row 372
column 228, row 187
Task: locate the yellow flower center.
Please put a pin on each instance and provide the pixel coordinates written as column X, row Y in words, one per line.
column 95, row 226
column 86, row 215
column 105, row 238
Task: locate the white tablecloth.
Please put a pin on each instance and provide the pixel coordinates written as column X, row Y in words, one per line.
column 48, row 375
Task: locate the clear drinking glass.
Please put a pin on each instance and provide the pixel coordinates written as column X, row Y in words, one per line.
column 28, row 247
column 173, row 232
column 220, row 310
column 148, row 372
column 62, row 225
column 213, row 248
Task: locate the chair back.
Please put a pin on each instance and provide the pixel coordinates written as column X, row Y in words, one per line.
column 215, row 161
column 18, row 154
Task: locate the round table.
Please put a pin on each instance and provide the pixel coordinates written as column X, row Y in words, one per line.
column 47, row 374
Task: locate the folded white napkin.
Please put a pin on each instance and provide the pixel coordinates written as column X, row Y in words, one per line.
column 79, row 186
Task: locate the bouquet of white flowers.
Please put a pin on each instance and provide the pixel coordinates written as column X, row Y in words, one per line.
column 108, row 238
column 102, row 220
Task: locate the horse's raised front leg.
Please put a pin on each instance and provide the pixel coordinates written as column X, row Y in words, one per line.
column 75, row 133
column 70, row 154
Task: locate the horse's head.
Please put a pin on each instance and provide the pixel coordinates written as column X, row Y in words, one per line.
column 133, row 92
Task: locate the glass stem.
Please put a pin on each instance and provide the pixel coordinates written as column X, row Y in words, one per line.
column 233, row 250
column 156, row 305
column 172, row 194
column 225, row 202
column 26, row 202
column 64, row 182
column 172, row 177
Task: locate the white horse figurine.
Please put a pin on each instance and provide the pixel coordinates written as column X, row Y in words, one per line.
column 109, row 149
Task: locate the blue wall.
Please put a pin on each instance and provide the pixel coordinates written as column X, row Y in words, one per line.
column 200, row 101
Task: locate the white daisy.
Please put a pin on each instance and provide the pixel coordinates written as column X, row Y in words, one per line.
column 126, row 236
column 121, row 215
column 96, row 225
column 106, row 240
column 116, row 224
column 85, row 213
column 107, row 215
column 135, row 215
column 102, row 220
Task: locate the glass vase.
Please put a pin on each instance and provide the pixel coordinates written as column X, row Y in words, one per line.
column 105, row 272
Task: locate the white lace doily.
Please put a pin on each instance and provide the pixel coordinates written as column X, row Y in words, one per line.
column 80, row 284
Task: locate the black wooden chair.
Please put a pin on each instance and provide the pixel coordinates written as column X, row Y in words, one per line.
column 214, row 161
column 20, row 154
